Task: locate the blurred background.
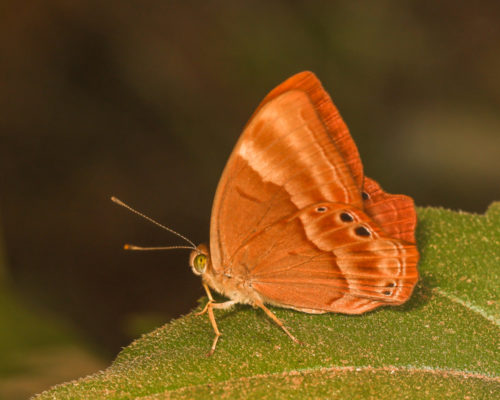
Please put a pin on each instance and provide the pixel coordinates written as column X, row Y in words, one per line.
column 145, row 100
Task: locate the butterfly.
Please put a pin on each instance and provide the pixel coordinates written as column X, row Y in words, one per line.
column 296, row 224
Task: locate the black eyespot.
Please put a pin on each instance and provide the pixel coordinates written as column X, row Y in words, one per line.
column 362, row 231
column 346, row 217
column 392, row 284
column 386, row 293
column 321, row 209
column 365, row 195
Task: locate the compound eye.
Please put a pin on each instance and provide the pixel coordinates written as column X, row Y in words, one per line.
column 200, row 264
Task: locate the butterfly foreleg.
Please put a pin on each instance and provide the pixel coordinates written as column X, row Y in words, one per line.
column 276, row 319
column 209, row 309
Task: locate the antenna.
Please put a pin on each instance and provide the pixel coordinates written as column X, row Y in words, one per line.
column 132, row 247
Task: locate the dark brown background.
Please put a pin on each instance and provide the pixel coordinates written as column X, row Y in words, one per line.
column 144, row 100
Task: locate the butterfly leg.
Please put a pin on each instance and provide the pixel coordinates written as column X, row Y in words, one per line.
column 277, row 320
column 209, row 308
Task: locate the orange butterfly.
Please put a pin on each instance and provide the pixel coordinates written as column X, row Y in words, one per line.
column 296, row 224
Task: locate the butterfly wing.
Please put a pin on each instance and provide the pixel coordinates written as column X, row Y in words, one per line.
column 295, row 154
column 363, row 270
column 284, row 160
column 395, row 213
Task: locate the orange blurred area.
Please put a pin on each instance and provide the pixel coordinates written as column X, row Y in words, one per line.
column 145, row 100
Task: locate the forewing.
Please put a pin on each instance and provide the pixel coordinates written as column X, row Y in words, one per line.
column 307, row 82
column 285, row 160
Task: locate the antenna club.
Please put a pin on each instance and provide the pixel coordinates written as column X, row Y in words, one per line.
column 127, row 247
column 117, row 201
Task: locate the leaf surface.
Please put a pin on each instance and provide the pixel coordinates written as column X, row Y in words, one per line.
column 443, row 342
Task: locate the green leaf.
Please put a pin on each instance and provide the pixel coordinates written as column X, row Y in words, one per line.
column 443, row 342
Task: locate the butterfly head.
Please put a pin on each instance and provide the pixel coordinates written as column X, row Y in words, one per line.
column 199, row 259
